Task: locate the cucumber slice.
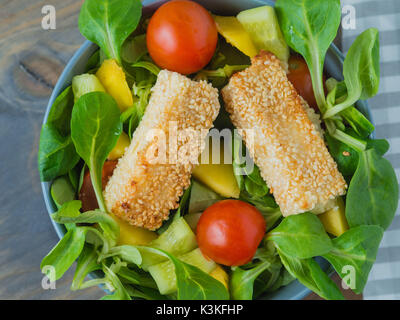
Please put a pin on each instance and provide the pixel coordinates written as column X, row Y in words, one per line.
column 177, row 240
column 85, row 83
column 62, row 191
column 201, row 198
column 164, row 273
column 262, row 25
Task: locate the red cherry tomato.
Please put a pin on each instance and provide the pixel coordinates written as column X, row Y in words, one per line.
column 230, row 231
column 299, row 76
column 181, row 36
column 87, row 194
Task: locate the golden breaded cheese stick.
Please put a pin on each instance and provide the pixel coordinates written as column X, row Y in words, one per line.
column 287, row 145
column 141, row 190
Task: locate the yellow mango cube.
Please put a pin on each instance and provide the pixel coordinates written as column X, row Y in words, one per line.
column 113, row 79
column 235, row 34
column 132, row 235
column 218, row 177
column 220, row 274
column 118, row 151
column 334, row 220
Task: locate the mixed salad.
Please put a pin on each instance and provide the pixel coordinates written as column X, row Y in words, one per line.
column 227, row 237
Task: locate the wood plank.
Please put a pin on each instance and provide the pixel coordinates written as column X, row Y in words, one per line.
column 31, row 60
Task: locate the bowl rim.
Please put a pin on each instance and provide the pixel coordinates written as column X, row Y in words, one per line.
column 62, row 83
column 58, row 88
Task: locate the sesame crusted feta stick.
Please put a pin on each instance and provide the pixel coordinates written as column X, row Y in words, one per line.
column 288, row 146
column 143, row 191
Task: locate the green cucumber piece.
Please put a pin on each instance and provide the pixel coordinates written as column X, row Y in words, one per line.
column 176, row 240
column 164, row 273
column 201, row 197
column 62, row 191
column 85, row 83
column 262, row 25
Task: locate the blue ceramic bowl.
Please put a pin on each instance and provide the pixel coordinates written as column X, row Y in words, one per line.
column 76, row 66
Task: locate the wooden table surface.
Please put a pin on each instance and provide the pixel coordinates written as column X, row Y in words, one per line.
column 31, row 60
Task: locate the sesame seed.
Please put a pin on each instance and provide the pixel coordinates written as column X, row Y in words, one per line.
column 289, row 148
column 157, row 187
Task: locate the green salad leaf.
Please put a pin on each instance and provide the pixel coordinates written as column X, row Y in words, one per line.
column 309, row 273
column 127, row 253
column 249, row 281
column 95, row 128
column 143, row 292
column 360, row 70
column 149, row 66
column 134, row 49
column 73, row 176
column 345, row 156
column 337, row 93
column 182, row 209
column 201, row 197
column 224, row 72
column 69, row 209
column 69, row 213
column 93, row 62
column 60, row 112
column 193, row 283
column 108, row 23
column 381, row 146
column 357, row 248
column 253, row 188
column 373, row 193
column 302, row 236
column 87, row 263
column 63, row 255
column 266, row 205
column 237, row 161
column 57, row 155
column 137, row 278
column 141, row 90
column 242, row 281
column 272, row 281
column 309, row 28
column 119, row 291
column 255, row 177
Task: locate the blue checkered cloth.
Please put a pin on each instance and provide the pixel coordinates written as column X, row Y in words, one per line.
column 384, row 280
